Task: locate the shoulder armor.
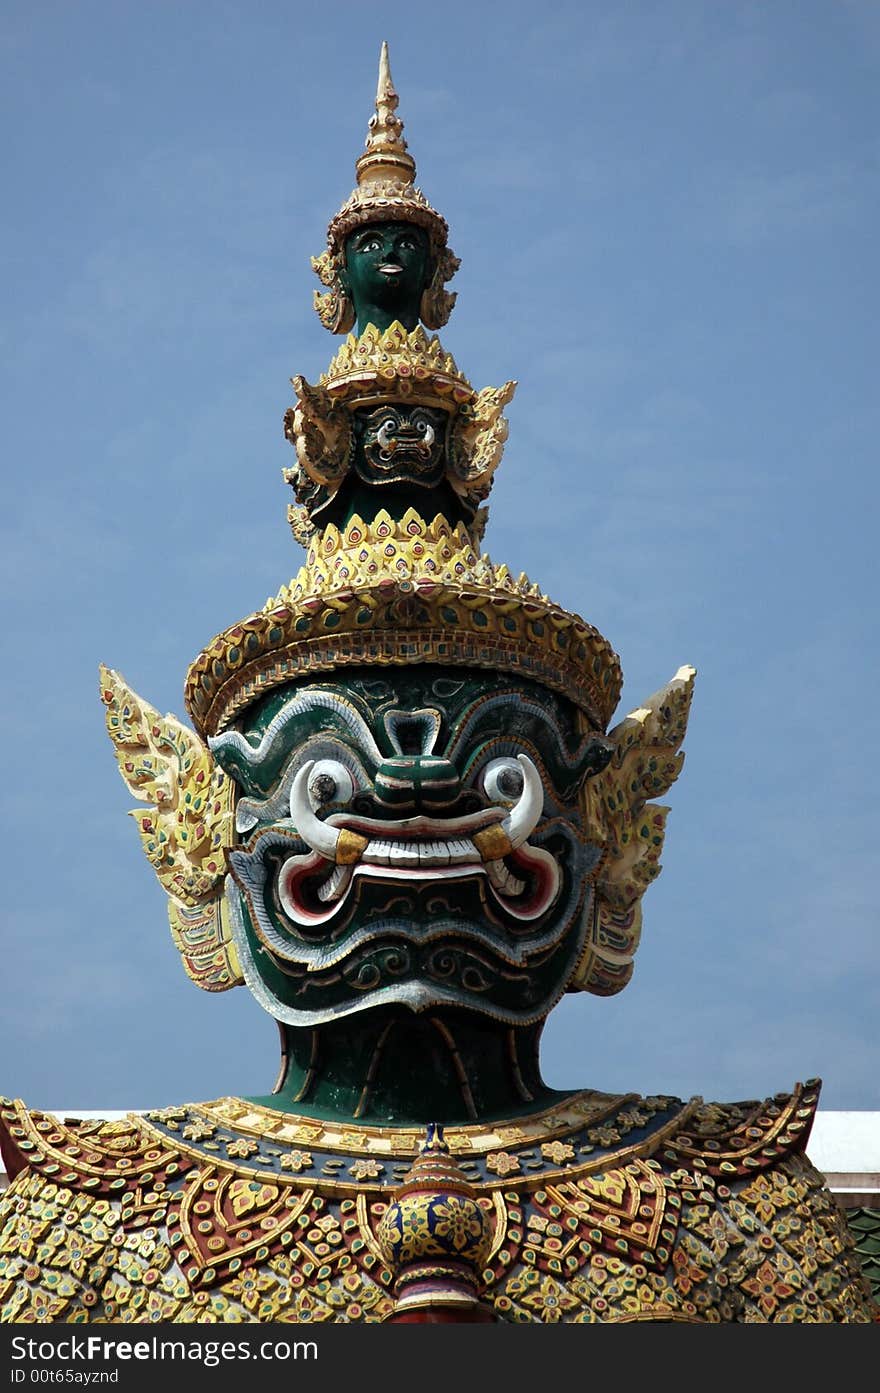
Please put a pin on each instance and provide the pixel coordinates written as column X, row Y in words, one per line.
column 100, row 1157
column 739, row 1139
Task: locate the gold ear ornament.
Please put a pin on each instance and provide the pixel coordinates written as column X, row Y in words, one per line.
column 184, row 831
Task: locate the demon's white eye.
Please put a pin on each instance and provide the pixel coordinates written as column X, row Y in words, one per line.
column 425, row 429
column 503, row 780
column 329, row 782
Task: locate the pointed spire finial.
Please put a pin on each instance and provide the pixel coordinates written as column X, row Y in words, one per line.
column 386, row 154
column 385, row 89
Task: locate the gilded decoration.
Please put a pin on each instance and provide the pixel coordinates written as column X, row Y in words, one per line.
column 431, row 425
column 646, row 761
column 394, row 364
column 394, row 593
column 108, row 1222
column 185, row 830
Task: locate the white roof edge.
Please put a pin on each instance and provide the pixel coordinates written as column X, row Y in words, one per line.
column 845, row 1142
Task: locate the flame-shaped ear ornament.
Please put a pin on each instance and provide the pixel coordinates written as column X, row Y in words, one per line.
column 646, row 762
column 185, row 830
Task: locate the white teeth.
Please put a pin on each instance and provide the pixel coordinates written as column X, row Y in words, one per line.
column 404, row 854
column 463, row 851
column 335, row 883
column 503, row 879
column 378, row 852
column 435, row 854
column 414, row 853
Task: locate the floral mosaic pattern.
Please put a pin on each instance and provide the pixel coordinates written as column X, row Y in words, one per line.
column 644, row 1239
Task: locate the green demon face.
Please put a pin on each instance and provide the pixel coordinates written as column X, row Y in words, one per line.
column 395, row 443
column 412, row 837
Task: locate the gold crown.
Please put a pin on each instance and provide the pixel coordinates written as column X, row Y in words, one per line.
column 393, row 593
column 396, row 364
column 386, row 172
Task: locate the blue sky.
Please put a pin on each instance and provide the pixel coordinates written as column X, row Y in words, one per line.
column 667, row 219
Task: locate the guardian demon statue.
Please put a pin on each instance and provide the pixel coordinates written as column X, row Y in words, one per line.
column 403, row 822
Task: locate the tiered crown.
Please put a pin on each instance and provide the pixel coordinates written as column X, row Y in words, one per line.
column 395, row 364
column 397, row 593
column 404, row 583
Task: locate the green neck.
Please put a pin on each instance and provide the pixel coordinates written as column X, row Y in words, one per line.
column 356, row 498
column 393, row 1067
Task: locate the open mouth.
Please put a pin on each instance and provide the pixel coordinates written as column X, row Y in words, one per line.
column 312, row 889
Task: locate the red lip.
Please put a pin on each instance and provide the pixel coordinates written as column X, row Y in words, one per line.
column 301, row 878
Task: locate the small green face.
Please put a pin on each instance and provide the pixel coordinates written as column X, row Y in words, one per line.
column 397, row 443
column 414, row 838
column 386, row 273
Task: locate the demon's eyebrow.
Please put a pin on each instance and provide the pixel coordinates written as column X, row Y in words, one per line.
column 256, row 766
column 275, row 805
column 463, row 731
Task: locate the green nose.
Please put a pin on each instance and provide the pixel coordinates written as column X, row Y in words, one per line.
column 416, row 783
